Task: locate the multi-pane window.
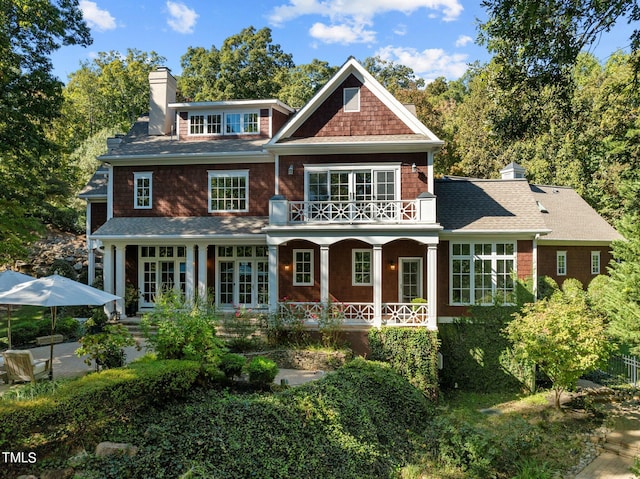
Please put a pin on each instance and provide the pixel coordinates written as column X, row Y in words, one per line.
column 234, row 123
column 196, row 125
column 303, row 267
column 214, row 124
column 482, row 272
column 142, row 190
column 595, row 262
column 243, row 276
column 561, row 263
column 228, row 191
column 361, row 267
column 237, row 123
column 162, row 269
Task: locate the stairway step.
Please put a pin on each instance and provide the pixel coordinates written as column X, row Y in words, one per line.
column 620, row 449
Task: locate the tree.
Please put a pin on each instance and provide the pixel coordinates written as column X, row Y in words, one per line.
column 393, row 76
column 301, row 82
column 31, row 171
column 248, row 65
column 561, row 335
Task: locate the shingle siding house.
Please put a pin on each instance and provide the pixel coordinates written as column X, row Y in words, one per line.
column 253, row 202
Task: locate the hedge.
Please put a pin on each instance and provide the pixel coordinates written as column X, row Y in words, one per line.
column 412, row 352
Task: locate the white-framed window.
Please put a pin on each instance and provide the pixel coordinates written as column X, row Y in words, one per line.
column 561, row 263
column 228, row 191
column 346, row 183
column 351, row 99
column 142, row 190
column 303, row 267
column 595, row 262
column 161, row 269
column 361, row 267
column 241, row 123
column 242, row 276
column 482, row 272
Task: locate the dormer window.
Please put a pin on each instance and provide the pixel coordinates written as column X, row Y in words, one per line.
column 351, row 99
column 205, row 124
column 223, row 123
column 238, row 123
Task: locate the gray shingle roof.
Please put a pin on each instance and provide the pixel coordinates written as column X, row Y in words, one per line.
column 183, row 227
column 569, row 217
column 97, row 186
column 138, row 142
column 487, row 205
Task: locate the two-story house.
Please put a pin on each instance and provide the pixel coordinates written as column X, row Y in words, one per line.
column 253, row 202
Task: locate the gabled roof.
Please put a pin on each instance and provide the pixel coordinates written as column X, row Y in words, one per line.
column 352, row 67
column 96, row 189
column 570, row 218
column 468, row 205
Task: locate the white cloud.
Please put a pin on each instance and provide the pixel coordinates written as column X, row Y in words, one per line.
column 345, row 34
column 400, row 30
column 96, row 18
column 356, row 15
column 181, row 19
column 428, row 64
column 463, row 40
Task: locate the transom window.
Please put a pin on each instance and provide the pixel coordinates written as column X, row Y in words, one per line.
column 303, row 267
column 142, row 190
column 361, row 267
column 228, row 191
column 482, row 273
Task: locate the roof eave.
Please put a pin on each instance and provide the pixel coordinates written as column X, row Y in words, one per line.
column 410, row 146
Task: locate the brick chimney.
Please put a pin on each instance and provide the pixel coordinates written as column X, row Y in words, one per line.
column 163, row 91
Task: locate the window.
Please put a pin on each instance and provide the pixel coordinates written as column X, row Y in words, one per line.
column 361, row 267
column 351, row 98
column 242, row 276
column 238, row 123
column 142, row 190
column 595, row 262
column 196, row 125
column 561, row 263
column 162, row 268
column 228, row 191
column 303, row 267
column 482, row 272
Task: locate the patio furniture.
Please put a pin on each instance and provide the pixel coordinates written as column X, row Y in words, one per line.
column 20, row 366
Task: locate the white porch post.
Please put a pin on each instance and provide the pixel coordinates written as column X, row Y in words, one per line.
column 377, row 285
column 432, row 286
column 324, row 274
column 120, row 277
column 202, row 271
column 273, row 278
column 189, row 286
column 107, row 269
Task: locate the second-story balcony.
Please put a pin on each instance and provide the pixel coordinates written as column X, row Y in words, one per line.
column 420, row 210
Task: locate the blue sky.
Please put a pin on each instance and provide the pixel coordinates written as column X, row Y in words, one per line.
column 434, row 37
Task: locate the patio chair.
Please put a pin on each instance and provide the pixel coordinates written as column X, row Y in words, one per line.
column 20, row 366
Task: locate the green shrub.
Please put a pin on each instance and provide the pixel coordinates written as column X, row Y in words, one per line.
column 106, row 348
column 63, row 268
column 412, row 352
column 232, row 364
column 240, row 328
column 262, row 370
column 176, row 329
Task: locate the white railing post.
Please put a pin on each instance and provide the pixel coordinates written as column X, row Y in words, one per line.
column 278, row 210
column 426, row 208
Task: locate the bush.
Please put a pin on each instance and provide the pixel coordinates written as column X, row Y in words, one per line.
column 232, row 364
column 240, row 329
column 411, row 352
column 262, row 370
column 63, row 268
column 106, row 348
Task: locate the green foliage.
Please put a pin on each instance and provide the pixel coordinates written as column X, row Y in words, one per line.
column 25, row 332
column 262, row 370
column 561, row 335
column 240, row 329
column 393, row 76
column 63, row 268
column 301, row 82
column 286, row 327
column 411, row 352
column 330, row 324
column 177, row 329
column 314, row 430
column 106, row 348
column 232, row 365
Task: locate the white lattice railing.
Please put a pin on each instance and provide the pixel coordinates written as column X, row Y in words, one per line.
column 353, row 211
column 393, row 314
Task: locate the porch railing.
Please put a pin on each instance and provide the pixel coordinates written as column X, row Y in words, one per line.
column 353, row 211
column 357, row 314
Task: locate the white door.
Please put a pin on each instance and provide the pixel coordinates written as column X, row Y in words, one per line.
column 409, row 279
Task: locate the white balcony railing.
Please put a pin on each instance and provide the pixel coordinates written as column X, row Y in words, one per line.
column 285, row 212
column 356, row 314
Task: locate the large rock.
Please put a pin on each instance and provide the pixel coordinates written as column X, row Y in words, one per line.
column 111, row 448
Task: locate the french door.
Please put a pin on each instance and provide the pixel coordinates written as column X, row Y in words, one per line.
column 242, row 276
column 409, row 279
column 161, row 268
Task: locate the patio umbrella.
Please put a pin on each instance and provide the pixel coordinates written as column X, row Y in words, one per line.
column 9, row 279
column 53, row 291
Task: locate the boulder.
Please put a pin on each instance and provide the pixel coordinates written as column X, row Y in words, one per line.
column 111, row 448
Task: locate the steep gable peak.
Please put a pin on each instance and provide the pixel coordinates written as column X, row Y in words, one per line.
column 351, row 76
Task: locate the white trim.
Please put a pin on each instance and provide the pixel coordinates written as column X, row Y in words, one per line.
column 401, row 261
column 353, row 266
column 595, row 255
column 559, row 255
column 231, row 104
column 294, row 267
column 228, row 174
column 141, row 175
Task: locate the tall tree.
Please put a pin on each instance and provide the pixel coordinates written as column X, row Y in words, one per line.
column 248, row 65
column 30, row 100
column 393, row 76
column 301, row 82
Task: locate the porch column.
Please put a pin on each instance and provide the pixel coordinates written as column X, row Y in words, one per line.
column 107, row 269
column 324, row 274
column 92, row 263
column 432, row 286
column 273, row 278
column 120, row 276
column 202, row 272
column 189, row 286
column 377, row 285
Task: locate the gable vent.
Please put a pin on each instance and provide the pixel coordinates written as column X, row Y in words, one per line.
column 351, row 99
